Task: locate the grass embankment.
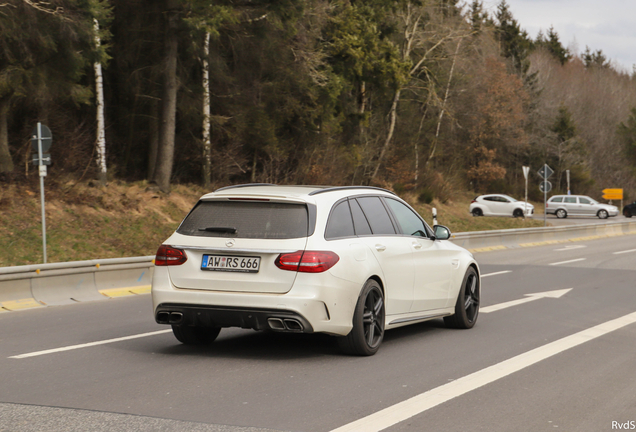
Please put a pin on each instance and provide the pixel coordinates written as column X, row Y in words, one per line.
column 84, row 222
column 126, row 219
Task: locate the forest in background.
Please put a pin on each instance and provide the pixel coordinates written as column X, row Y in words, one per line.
column 428, row 96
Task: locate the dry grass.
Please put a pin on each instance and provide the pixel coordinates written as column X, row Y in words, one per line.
column 86, row 222
column 454, row 214
column 126, row 219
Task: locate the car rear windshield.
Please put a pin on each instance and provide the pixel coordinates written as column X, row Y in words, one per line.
column 240, row 219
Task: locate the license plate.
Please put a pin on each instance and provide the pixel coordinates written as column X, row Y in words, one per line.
column 244, row 264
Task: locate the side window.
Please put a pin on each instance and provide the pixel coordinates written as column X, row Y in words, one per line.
column 410, row 223
column 359, row 219
column 570, row 200
column 376, row 215
column 584, row 201
column 340, row 223
column 490, row 198
column 557, row 200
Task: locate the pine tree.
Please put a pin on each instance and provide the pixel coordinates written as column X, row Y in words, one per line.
column 45, row 49
column 514, row 42
column 553, row 45
column 595, row 59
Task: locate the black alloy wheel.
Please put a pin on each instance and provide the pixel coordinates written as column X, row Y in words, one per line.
column 517, row 213
column 627, row 213
column 477, row 212
column 368, row 322
column 467, row 305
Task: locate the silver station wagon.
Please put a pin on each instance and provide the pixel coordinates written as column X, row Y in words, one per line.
column 579, row 205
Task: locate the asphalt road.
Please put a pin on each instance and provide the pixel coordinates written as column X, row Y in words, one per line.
column 534, row 362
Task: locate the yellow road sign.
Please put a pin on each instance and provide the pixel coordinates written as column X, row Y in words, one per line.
column 613, row 194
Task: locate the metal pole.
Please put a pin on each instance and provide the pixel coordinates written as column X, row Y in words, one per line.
column 545, row 201
column 42, row 191
column 525, row 208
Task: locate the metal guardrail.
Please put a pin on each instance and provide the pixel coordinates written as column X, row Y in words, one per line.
column 478, row 241
column 36, row 285
column 63, row 283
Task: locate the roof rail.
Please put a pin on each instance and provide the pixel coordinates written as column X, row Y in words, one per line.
column 339, row 188
column 245, row 185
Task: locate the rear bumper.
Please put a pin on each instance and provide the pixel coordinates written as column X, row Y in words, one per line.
column 318, row 304
column 216, row 316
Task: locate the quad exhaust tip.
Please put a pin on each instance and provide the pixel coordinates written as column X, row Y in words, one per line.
column 166, row 317
column 287, row 324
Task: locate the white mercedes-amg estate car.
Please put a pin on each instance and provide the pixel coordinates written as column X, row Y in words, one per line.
column 351, row 262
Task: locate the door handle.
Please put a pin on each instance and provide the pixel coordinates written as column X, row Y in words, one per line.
column 416, row 245
column 380, row 247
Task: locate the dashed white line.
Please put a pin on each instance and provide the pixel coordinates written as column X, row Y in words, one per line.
column 427, row 400
column 496, row 273
column 567, row 262
column 572, row 247
column 90, row 344
column 625, row 251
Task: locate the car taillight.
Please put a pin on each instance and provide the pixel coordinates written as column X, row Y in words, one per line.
column 307, row 261
column 168, row 255
column 473, row 201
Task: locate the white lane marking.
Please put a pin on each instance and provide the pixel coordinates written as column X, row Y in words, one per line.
column 567, row 262
column 418, row 404
column 572, row 247
column 496, row 273
column 529, row 298
column 626, row 251
column 90, row 344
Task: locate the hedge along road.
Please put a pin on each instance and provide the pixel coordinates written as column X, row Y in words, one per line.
column 528, row 359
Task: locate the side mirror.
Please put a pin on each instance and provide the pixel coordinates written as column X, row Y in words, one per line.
column 441, row 232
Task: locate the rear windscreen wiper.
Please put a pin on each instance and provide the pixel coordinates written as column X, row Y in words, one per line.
column 229, row 230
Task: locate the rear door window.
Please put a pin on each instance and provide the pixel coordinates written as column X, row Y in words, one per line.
column 240, row 219
column 570, row 200
column 377, row 215
column 557, row 199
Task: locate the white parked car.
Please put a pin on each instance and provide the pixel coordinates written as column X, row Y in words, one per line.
column 347, row 261
column 579, row 205
column 499, row 205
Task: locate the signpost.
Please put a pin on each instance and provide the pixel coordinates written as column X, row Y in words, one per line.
column 526, row 170
column 41, row 140
column 612, row 194
column 545, row 186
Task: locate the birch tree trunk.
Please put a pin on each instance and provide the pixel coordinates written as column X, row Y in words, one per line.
column 101, row 128
column 441, row 114
column 207, row 146
column 165, row 153
column 387, row 141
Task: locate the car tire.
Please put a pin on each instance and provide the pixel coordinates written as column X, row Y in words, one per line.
column 561, row 214
column 602, row 214
column 477, row 212
column 517, row 213
column 190, row 335
column 368, row 322
column 467, row 305
column 627, row 213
